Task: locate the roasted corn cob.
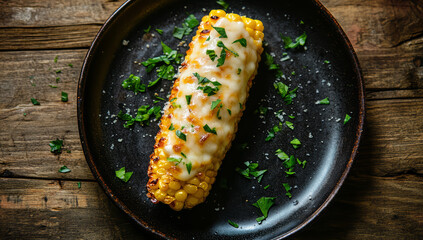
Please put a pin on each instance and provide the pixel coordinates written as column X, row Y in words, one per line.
column 206, row 103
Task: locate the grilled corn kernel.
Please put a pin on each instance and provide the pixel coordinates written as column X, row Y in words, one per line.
column 250, row 31
column 191, row 189
column 204, row 186
column 259, row 25
column 199, row 194
column 249, row 23
column 177, row 205
column 168, row 199
column 194, row 181
column 218, row 13
column 191, row 201
column 163, row 186
column 258, row 35
column 159, row 195
column 174, row 185
column 233, row 17
column 181, row 195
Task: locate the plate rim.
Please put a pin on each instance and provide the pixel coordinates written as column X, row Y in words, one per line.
column 90, row 160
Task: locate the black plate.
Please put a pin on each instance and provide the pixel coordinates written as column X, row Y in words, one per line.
column 328, row 145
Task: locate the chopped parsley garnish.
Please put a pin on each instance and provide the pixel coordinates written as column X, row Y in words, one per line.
column 159, row 31
column 301, row 22
column 222, row 45
column 168, row 56
column 326, row 61
column 251, row 171
column 189, row 167
column 208, row 38
column 34, row 101
column 285, row 93
column 289, row 125
column 64, row 169
column 301, row 163
column 64, row 97
column 158, row 99
column 282, row 155
column 177, row 160
column 273, row 131
column 79, row 184
column 187, row 26
column 215, row 103
column 291, row 117
column 188, row 98
column 150, row 84
column 299, row 41
column 133, row 83
column 241, row 41
column 147, row 30
column 287, row 189
column 232, row 223
column 174, row 104
column 264, row 204
column 209, row 130
column 240, row 105
column 238, row 71
column 209, row 90
column 273, row 66
column 57, row 79
column 295, row 143
column 221, row 31
column 293, row 73
column 181, row 135
column 52, row 86
column 347, row 118
column 212, row 54
column 171, row 128
column 166, row 72
column 55, row 59
column 324, row 101
column 123, row 175
column 58, row 71
column 222, row 58
column 143, row 116
column 222, row 3
column 266, row 187
column 70, row 65
column 56, row 146
column 229, row 111
column 183, row 154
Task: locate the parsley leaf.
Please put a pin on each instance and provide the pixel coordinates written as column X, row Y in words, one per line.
column 273, row 131
column 159, row 31
column 238, row 71
column 187, row 26
column 241, row 41
column 208, row 129
column 287, row 189
column 133, row 83
column 64, row 169
column 177, row 160
column 147, row 29
column 189, row 167
column 215, row 103
column 207, row 89
column 222, row 3
column 299, row 41
column 285, row 93
column 212, row 54
column 324, row 101
column 34, row 101
column 326, row 61
column 251, row 171
column 264, row 204
column 273, row 66
column 222, row 45
column 64, row 97
column 221, row 31
column 347, row 118
column 143, row 116
column 233, row 224
column 171, row 127
column 56, row 146
column 266, row 187
column 181, row 135
column 289, row 125
column 222, row 58
column 229, row 111
column 55, row 59
column 123, row 175
column 183, row 154
column 295, row 143
column 188, row 98
column 282, row 155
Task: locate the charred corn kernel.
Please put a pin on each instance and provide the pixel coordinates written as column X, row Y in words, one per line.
column 204, row 186
column 181, row 195
column 168, row 199
column 233, row 17
column 159, row 195
column 259, row 25
column 199, row 194
column 191, row 189
column 177, row 205
column 163, row 186
column 194, row 181
column 174, row 185
column 189, row 182
column 191, row 201
column 218, row 13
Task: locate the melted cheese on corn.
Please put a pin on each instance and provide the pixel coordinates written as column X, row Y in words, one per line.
column 201, row 148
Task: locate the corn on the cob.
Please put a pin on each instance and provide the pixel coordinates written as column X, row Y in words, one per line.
column 206, row 103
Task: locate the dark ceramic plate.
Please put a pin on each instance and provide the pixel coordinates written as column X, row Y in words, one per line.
column 328, row 145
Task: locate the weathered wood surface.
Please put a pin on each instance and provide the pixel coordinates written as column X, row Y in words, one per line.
column 381, row 199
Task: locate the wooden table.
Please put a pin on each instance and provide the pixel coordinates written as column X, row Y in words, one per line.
column 381, row 199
